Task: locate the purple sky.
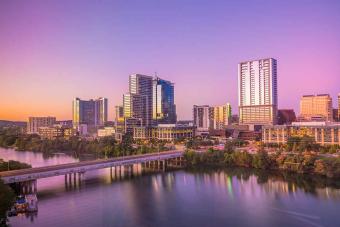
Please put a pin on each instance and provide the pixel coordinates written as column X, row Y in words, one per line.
column 53, row 51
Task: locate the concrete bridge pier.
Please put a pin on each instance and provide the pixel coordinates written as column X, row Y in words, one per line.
column 27, row 187
column 72, row 180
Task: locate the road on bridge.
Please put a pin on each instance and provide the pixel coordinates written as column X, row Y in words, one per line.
column 55, row 170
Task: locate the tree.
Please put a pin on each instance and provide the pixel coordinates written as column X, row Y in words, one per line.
column 261, row 160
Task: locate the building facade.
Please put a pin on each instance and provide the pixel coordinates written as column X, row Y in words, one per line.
column 138, row 102
column 285, row 116
column 323, row 134
column 106, row 131
column 220, row 116
column 201, row 117
column 56, row 131
column 119, row 119
column 257, row 92
column 91, row 112
column 339, row 106
column 163, row 102
column 34, row 123
column 135, row 107
column 51, row 132
column 166, row 132
column 316, row 107
column 101, row 111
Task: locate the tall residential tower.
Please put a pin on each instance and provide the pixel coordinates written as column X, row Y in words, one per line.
column 257, row 92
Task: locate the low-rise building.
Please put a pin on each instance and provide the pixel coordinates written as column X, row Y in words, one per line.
column 69, row 132
column 56, row 131
column 324, row 133
column 168, row 132
column 34, row 123
column 106, row 131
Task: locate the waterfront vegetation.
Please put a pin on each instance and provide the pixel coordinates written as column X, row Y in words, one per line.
column 304, row 143
column 100, row 147
column 306, row 162
column 7, row 195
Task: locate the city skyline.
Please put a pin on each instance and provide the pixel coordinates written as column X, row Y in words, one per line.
column 51, row 55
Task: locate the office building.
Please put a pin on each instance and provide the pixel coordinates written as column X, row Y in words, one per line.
column 101, row 111
column 163, row 102
column 106, row 131
column 91, row 112
column 34, row 123
column 316, row 107
column 51, row 132
column 220, row 116
column 135, row 106
column 165, row 132
column 322, row 132
column 201, row 117
column 138, row 103
column 257, row 92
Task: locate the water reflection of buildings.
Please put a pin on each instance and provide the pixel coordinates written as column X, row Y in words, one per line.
column 253, row 186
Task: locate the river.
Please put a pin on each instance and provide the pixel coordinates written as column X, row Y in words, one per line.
column 227, row 197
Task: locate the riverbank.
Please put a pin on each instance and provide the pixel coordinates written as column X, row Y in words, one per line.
column 303, row 163
column 104, row 147
column 7, row 194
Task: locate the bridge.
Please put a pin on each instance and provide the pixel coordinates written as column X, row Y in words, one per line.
column 32, row 174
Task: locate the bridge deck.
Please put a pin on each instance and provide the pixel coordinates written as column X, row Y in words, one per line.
column 48, row 171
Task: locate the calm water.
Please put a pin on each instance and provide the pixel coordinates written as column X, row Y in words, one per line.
column 178, row 198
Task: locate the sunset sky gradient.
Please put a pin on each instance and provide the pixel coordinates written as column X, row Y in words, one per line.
column 53, row 51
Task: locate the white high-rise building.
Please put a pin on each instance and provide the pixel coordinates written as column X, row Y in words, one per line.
column 257, row 92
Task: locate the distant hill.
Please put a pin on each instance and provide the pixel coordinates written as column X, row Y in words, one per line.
column 4, row 123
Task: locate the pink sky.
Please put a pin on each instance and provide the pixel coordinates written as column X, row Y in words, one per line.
column 51, row 52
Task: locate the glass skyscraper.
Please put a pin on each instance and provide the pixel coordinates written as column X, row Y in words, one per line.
column 138, row 102
column 91, row 112
column 163, row 102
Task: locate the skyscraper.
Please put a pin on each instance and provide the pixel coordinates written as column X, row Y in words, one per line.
column 138, row 102
column 316, row 107
column 135, row 106
column 220, row 116
column 91, row 112
column 257, row 91
column 101, row 111
column 201, row 118
column 163, row 101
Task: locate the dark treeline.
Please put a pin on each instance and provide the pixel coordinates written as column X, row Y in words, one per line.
column 304, row 143
column 7, row 195
column 305, row 162
column 100, row 147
